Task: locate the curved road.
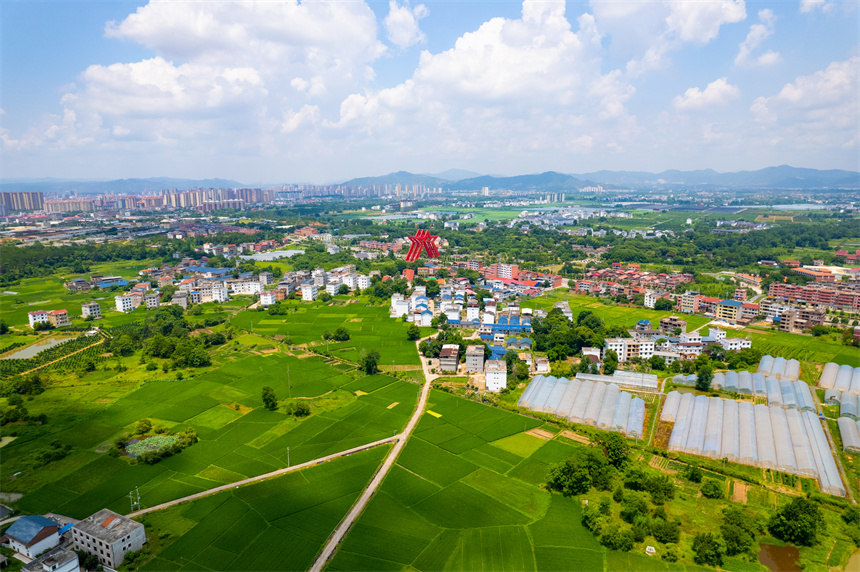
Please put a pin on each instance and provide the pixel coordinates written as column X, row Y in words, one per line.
column 347, row 522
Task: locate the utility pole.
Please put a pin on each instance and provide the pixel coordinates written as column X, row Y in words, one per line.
column 288, row 457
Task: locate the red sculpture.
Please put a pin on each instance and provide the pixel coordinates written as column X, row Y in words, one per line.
column 422, row 240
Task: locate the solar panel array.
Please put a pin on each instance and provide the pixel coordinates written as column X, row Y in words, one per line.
column 596, row 403
column 787, row 440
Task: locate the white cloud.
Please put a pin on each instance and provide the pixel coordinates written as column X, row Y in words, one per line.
column 757, row 34
column 401, row 24
column 817, row 110
column 700, row 22
column 807, row 6
column 718, row 92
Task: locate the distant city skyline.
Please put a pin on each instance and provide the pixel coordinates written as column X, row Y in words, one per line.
column 327, row 91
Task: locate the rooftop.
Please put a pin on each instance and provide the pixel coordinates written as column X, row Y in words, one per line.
column 107, row 526
column 28, row 528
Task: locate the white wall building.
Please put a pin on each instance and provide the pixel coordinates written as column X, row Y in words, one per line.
column 309, row 292
column 37, row 317
column 93, row 309
column 125, row 303
column 496, row 375
column 650, row 299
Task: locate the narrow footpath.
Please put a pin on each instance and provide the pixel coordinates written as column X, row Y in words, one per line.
column 343, row 527
column 259, row 478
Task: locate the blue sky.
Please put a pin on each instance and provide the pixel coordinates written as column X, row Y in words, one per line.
column 326, row 91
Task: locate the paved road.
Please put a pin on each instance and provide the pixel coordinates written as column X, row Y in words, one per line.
column 252, row 480
column 340, row 532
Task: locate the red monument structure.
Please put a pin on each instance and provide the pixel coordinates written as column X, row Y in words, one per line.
column 422, row 240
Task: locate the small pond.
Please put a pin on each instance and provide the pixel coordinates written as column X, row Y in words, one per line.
column 779, row 558
column 37, row 347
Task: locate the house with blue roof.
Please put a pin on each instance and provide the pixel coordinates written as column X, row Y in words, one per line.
column 728, row 311
column 32, row 535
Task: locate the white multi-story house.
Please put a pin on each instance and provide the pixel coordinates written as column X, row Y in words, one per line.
column 152, row 299
column 363, row 282
column 473, row 312
column 629, row 348
column 716, row 333
column 735, row 344
column 399, row 306
column 309, row 292
column 267, row 299
column 266, row 278
column 125, row 303
column 351, row 281
column 57, row 560
column 93, row 309
column 496, row 375
column 650, row 299
column 220, row 293
column 333, row 286
column 691, row 338
column 37, row 317
column 247, row 287
column 31, row 535
column 109, row 536
column 475, row 359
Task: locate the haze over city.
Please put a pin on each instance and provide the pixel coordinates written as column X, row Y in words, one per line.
column 323, row 92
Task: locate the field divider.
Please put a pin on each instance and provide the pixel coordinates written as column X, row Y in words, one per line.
column 259, row 478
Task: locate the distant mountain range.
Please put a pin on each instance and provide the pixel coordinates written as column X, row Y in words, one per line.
column 783, row 177
column 120, row 186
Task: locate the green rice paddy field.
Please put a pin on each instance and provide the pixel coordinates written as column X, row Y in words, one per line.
column 610, row 314
column 369, row 328
column 465, row 494
column 238, row 437
column 49, row 293
column 280, row 524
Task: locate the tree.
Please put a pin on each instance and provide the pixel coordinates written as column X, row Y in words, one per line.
column 704, row 377
column 341, row 334
column 695, row 474
column 708, row 549
column 663, row 305
column 614, row 447
column 343, row 289
column 369, row 362
column 269, row 399
column 4, row 327
column 325, row 297
column 521, row 370
column 798, row 522
column 657, row 362
column 712, row 489
column 738, row 530
column 511, row 359
column 570, row 477
column 413, row 332
column 618, row 539
column 610, row 362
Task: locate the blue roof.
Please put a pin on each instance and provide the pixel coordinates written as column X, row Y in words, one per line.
column 26, row 528
column 67, row 527
column 730, row 303
column 204, row 269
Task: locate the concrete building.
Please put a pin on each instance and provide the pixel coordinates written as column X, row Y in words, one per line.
column 629, row 348
column 37, row 317
column 475, row 359
column 125, row 303
column 59, row 318
column 668, row 325
column 57, row 560
column 449, row 357
column 309, row 292
column 650, row 299
column 152, row 300
column 109, row 536
column 93, row 309
column 266, row 278
column 32, row 535
column 728, row 311
column 801, row 319
column 496, row 375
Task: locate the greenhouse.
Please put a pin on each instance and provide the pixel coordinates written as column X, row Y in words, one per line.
column 774, row 392
column 759, row 385
column 622, row 412
column 636, row 418
column 632, row 379
column 745, row 383
column 850, row 432
column 670, row 407
column 787, row 389
column 848, row 407
column 594, row 403
column 719, row 381
column 730, row 431
column 803, row 396
column 607, row 409
column 677, row 439
column 788, row 440
column 832, row 396
column 843, row 378
column 577, row 412
column 732, row 381
column 765, row 365
column 686, row 379
column 778, row 368
column 828, row 376
column 855, row 381
column 792, row 370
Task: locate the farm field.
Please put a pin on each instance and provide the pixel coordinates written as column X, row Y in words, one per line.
column 48, row 293
column 467, row 494
column 610, row 314
column 238, row 437
column 803, row 348
column 369, row 327
column 280, row 524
